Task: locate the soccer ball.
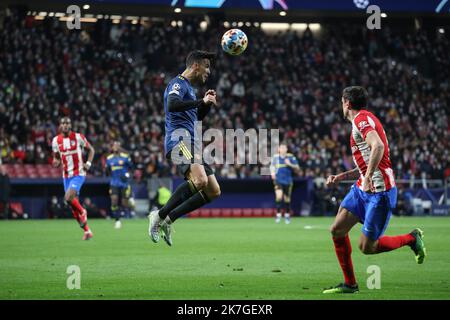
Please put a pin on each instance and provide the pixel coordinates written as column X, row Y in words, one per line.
column 234, row 42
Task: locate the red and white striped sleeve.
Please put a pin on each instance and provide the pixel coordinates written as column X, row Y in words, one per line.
column 364, row 124
column 55, row 147
column 82, row 141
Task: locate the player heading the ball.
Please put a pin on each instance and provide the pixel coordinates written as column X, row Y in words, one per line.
column 182, row 109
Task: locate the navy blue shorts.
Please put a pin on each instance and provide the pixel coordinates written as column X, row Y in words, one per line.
column 374, row 210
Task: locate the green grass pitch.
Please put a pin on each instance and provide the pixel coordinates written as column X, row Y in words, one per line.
column 212, row 259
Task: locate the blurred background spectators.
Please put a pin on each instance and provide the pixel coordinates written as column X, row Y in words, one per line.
column 110, row 80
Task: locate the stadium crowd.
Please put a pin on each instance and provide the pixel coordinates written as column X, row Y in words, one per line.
column 110, row 78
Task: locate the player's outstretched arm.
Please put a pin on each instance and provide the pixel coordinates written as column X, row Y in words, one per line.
column 91, row 154
column 176, row 104
column 347, row 175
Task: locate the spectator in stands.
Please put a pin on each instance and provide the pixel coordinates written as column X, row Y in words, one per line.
column 92, row 209
column 57, row 210
column 303, row 76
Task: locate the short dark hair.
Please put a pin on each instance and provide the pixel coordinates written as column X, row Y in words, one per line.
column 357, row 96
column 199, row 55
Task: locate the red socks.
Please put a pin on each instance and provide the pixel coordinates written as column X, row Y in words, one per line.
column 387, row 243
column 75, row 215
column 77, row 209
column 343, row 249
column 76, row 205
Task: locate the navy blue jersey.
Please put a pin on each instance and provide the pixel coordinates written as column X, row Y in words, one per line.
column 184, row 120
column 283, row 173
column 119, row 166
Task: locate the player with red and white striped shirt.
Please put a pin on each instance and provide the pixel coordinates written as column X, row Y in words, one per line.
column 68, row 147
column 371, row 199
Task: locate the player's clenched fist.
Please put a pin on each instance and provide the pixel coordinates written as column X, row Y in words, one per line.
column 210, row 97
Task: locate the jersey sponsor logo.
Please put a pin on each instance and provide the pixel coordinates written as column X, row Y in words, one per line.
column 354, row 149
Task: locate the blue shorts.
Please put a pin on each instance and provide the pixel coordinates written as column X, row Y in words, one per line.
column 374, row 210
column 75, row 182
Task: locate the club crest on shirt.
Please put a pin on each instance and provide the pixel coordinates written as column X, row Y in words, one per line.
column 363, row 124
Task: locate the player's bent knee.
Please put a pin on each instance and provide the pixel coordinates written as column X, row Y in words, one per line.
column 215, row 193
column 68, row 197
column 336, row 232
column 200, row 182
column 367, row 248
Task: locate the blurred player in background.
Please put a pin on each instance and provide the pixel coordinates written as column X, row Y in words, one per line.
column 182, row 110
column 282, row 168
column 68, row 147
column 118, row 165
column 371, row 199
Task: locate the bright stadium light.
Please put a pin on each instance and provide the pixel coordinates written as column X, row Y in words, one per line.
column 226, row 24
column 51, row 14
column 274, row 26
column 90, row 20
column 177, row 10
column 86, row 7
column 116, row 21
column 314, row 26
column 384, row 15
column 441, row 30
column 299, row 26
column 283, row 13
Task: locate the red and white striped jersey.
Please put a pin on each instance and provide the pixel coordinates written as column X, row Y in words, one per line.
column 71, row 150
column 383, row 177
